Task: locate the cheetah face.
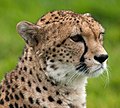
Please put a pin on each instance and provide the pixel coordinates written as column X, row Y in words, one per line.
column 71, row 45
column 77, row 56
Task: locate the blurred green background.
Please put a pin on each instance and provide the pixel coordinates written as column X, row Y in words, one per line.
column 100, row 94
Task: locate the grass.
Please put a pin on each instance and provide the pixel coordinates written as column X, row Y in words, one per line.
column 105, row 11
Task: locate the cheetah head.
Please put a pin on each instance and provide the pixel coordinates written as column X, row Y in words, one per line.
column 69, row 45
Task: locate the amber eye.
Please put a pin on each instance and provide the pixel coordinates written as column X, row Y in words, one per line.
column 77, row 38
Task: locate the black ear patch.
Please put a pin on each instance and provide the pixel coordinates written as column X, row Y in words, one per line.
column 29, row 32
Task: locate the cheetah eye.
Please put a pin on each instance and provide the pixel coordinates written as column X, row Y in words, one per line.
column 77, row 38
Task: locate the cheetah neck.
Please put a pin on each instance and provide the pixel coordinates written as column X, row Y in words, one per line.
column 73, row 95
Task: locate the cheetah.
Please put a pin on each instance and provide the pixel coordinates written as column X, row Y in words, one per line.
column 63, row 49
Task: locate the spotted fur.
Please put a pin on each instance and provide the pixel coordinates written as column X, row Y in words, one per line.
column 62, row 50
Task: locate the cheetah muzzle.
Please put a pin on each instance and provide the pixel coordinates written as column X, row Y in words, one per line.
column 62, row 50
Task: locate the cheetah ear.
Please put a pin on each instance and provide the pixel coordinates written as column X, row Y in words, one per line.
column 29, row 32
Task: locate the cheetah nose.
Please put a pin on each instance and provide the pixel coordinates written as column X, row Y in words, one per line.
column 101, row 58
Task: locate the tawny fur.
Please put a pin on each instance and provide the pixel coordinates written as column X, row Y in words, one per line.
column 44, row 76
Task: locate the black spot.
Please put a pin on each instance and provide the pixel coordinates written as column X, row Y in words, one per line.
column 11, row 106
column 16, row 97
column 2, row 102
column 11, row 96
column 66, row 75
column 58, row 45
column 46, row 52
column 53, row 67
column 43, row 99
column 54, row 49
column 67, row 54
column 24, row 106
column 44, row 62
column 57, row 93
column 54, row 55
column 29, row 106
column 23, row 79
column 20, row 71
column 37, row 102
column 60, row 60
column 77, row 21
column 56, row 17
column 67, row 93
column 16, row 105
column 26, row 58
column 59, row 101
column 45, row 88
column 51, row 60
column 67, row 60
column 61, row 22
column 21, row 95
column 53, row 84
column 29, row 83
column 40, row 69
column 48, row 58
column 8, row 86
column 50, row 99
column 25, row 68
column 49, row 48
column 44, row 68
column 48, row 80
column 34, row 67
column 61, row 54
column 38, row 89
column 30, row 100
column 42, row 19
column 47, row 22
column 30, row 58
column 7, row 98
column 58, row 51
column 7, row 93
column 80, row 29
column 22, row 61
column 11, row 81
column 31, row 71
column 13, row 90
column 6, row 81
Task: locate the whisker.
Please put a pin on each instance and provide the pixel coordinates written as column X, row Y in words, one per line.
column 75, row 77
column 69, row 80
column 78, row 74
column 107, row 77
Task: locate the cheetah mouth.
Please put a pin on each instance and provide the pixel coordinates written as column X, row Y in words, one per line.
column 96, row 71
column 90, row 71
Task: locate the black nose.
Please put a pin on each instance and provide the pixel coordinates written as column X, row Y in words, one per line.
column 101, row 58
